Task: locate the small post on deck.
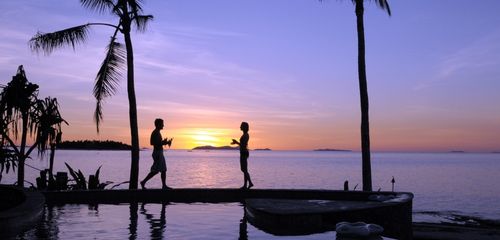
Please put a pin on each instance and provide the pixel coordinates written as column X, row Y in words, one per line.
column 393, row 181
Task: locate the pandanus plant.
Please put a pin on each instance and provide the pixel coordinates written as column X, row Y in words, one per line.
column 49, row 132
column 129, row 15
column 23, row 113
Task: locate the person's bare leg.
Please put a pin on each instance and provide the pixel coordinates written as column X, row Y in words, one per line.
column 146, row 179
column 244, row 181
column 163, row 180
column 250, row 183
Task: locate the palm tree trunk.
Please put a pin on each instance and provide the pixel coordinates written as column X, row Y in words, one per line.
column 51, row 161
column 134, row 168
column 22, row 149
column 363, row 93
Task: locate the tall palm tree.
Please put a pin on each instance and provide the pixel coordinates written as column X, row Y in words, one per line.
column 129, row 14
column 363, row 89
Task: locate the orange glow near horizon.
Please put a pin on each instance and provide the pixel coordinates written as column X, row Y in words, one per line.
column 385, row 135
column 189, row 138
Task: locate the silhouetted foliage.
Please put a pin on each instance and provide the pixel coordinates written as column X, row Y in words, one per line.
column 93, row 145
column 8, row 159
column 8, row 156
column 22, row 112
column 81, row 181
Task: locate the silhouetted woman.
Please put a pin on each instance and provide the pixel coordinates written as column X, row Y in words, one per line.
column 244, row 154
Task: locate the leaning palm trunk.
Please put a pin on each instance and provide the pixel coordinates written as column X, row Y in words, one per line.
column 363, row 93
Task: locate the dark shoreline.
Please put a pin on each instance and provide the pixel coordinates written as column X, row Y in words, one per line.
column 89, row 149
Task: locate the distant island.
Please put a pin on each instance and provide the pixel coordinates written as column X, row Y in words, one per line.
column 457, row 151
column 262, row 149
column 331, row 150
column 208, row 147
column 216, row 148
column 93, row 145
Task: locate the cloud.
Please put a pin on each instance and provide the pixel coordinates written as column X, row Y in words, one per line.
column 469, row 62
column 484, row 53
column 201, row 33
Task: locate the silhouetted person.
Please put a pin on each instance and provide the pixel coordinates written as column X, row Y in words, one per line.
column 159, row 164
column 244, row 154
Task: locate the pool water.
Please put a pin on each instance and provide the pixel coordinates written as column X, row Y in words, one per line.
column 151, row 221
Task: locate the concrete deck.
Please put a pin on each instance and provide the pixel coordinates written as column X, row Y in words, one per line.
column 292, row 209
column 188, row 195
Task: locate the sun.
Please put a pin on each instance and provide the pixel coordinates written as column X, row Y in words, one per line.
column 206, row 136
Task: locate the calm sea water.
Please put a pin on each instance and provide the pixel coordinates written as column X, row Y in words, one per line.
column 443, row 184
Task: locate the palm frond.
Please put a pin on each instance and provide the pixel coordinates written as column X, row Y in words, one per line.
column 383, row 4
column 141, row 22
column 100, row 6
column 48, row 121
column 135, row 6
column 117, row 9
column 48, row 42
column 17, row 101
column 108, row 76
column 98, row 114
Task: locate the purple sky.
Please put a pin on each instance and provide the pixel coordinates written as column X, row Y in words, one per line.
column 288, row 67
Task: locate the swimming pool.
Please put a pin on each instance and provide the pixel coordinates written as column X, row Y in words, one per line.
column 151, row 221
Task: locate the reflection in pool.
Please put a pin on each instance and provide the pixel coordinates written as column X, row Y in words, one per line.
column 150, row 221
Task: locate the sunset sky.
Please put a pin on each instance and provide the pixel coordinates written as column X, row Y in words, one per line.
column 288, row 67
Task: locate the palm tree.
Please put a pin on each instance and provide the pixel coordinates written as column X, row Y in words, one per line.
column 22, row 111
column 49, row 132
column 363, row 89
column 18, row 104
column 129, row 14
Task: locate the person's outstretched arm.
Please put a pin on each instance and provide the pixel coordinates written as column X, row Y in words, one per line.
column 235, row 142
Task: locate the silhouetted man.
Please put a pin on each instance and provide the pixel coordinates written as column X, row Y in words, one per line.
column 159, row 164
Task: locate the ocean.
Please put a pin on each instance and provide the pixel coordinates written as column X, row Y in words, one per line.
column 445, row 185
